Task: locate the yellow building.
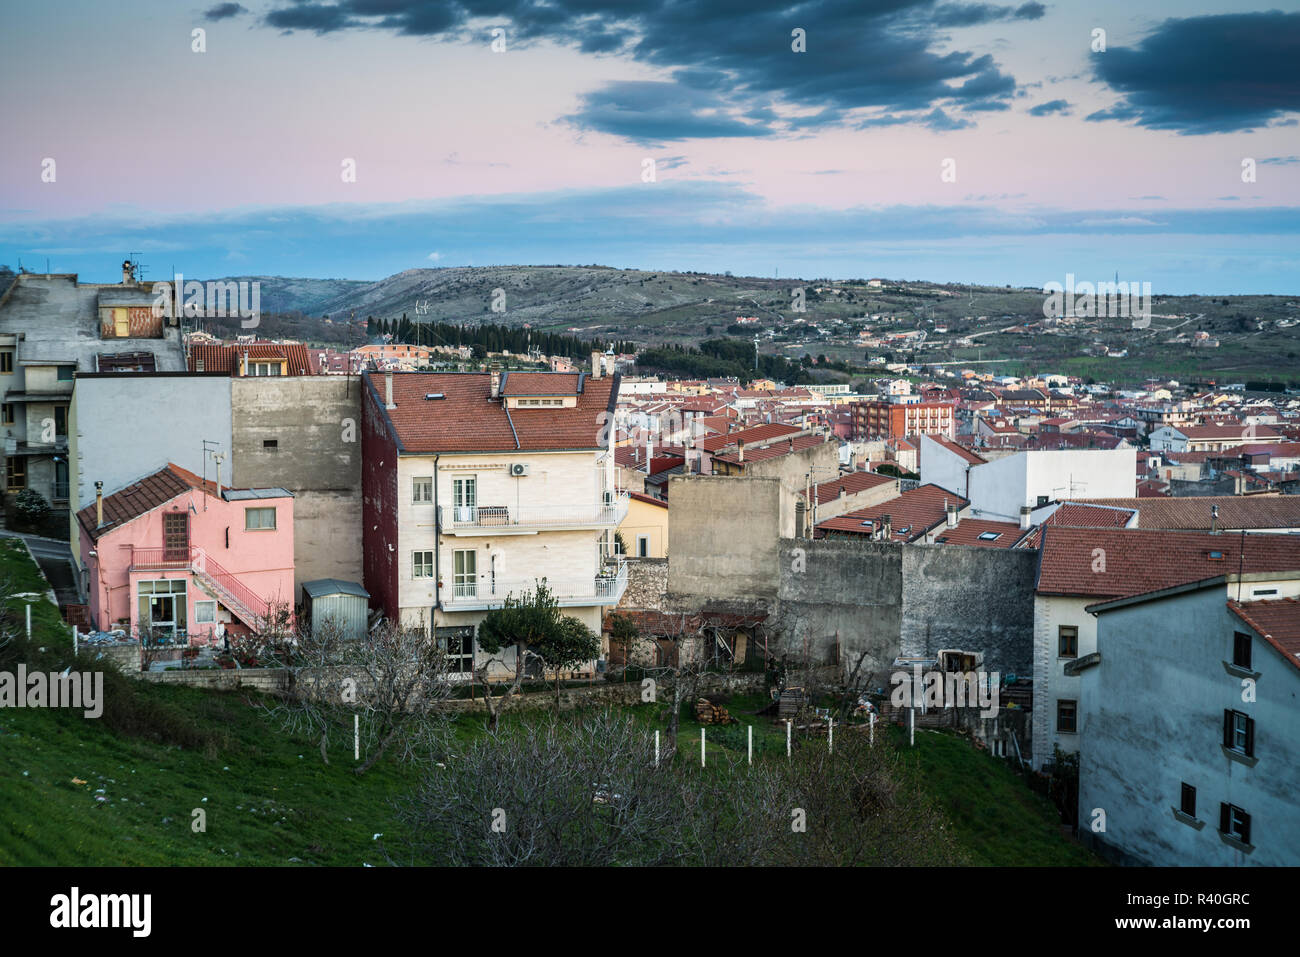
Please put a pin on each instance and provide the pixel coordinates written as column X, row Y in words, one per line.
column 645, row 529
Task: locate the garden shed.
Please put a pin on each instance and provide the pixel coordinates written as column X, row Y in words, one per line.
column 347, row 603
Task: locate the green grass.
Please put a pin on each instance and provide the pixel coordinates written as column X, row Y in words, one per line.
column 161, row 752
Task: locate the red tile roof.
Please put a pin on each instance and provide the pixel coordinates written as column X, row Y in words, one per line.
column 1118, row 563
column 851, row 482
column 772, row 450
column 969, row 530
column 1277, row 622
column 540, row 383
column 467, row 419
column 715, row 443
column 225, row 358
column 648, row 499
column 1090, row 516
column 961, row 450
column 143, row 496
column 918, row 511
column 1193, row 512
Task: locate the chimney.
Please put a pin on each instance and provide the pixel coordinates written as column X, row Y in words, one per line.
column 595, row 365
column 1025, row 510
column 495, row 383
column 842, row 492
column 128, row 273
column 951, row 512
column 740, row 451
column 800, row 519
column 1214, row 519
column 388, row 391
column 99, row 504
column 886, row 527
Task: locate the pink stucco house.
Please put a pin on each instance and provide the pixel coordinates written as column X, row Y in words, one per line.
column 189, row 558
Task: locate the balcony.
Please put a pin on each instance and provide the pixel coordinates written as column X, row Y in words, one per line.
column 604, row 589
column 530, row 519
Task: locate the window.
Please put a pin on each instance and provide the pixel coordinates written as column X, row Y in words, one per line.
column 176, row 537
column 65, row 373
column 1066, row 716
column 7, row 416
column 1263, row 592
column 265, row 368
column 1067, row 641
column 458, row 644
column 422, row 489
column 643, row 546
column 464, row 496
column 161, row 607
column 121, row 323
column 1241, row 650
column 466, row 581
column 256, row 519
column 1187, row 802
column 6, row 361
column 1234, row 822
column 205, row 612
column 61, row 421
column 990, row 536
column 1239, row 732
column 421, row 564
column 270, row 445
column 15, row 473
column 198, row 365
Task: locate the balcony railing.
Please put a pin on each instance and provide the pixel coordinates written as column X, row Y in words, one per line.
column 232, row 592
column 470, row 519
column 604, row 589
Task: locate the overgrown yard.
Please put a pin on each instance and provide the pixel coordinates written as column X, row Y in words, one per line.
column 125, row 788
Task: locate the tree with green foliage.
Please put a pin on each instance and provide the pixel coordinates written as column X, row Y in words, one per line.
column 532, row 623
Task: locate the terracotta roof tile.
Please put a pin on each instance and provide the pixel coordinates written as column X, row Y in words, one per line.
column 1118, row 563
column 140, row 497
column 1277, row 621
column 1235, row 511
column 917, row 511
column 467, row 419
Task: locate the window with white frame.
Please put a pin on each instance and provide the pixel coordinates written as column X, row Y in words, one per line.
column 205, row 612
column 466, row 572
column 422, row 564
column 422, row 489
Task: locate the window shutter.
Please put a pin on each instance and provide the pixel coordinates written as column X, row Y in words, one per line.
column 1227, row 728
column 1250, row 736
column 1225, row 819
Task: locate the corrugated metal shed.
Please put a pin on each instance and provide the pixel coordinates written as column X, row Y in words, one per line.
column 346, row 603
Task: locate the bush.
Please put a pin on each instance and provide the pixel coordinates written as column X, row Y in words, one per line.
column 31, row 506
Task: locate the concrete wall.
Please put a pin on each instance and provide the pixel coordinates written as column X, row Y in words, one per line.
column 315, row 423
column 1152, row 718
column 979, row 599
column 724, row 538
column 846, row 590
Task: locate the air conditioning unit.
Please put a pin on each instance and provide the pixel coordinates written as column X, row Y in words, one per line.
column 518, row 468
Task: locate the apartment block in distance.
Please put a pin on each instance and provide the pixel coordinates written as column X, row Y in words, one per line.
column 880, row 419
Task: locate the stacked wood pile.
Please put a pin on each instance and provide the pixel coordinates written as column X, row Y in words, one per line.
column 706, row 712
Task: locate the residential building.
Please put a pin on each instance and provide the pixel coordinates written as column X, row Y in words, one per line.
column 645, row 528
column 897, row 419
column 477, row 485
column 186, row 558
column 1190, row 715
column 1079, row 567
column 53, row 327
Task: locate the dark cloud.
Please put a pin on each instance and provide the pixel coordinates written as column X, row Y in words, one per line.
column 862, row 55
column 223, row 11
column 1051, row 106
column 973, row 14
column 648, row 112
column 1212, row 74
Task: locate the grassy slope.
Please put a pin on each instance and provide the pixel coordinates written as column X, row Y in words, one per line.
column 269, row 799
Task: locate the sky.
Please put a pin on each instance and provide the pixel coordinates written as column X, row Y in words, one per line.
column 911, row 139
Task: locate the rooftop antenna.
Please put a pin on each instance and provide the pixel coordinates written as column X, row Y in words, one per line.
column 210, row 447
